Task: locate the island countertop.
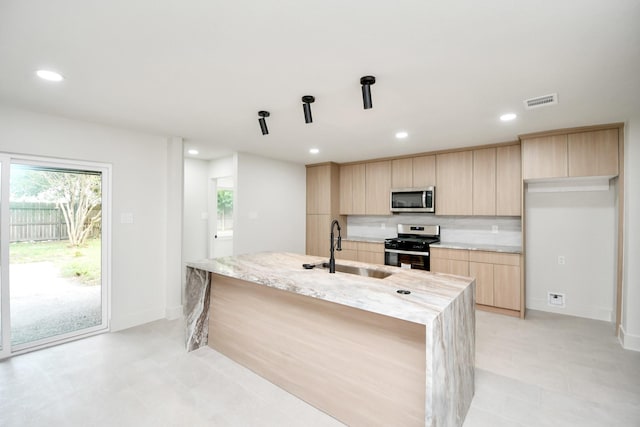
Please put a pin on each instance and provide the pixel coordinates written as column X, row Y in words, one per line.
column 430, row 293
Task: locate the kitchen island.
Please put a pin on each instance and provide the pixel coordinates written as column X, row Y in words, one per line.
column 347, row 343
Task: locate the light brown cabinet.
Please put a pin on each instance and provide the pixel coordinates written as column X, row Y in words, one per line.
column 484, row 181
column 377, row 187
column 402, row 173
column 419, row 171
column 317, row 242
column 454, row 192
column 424, row 171
column 544, row 157
column 509, row 181
column 323, row 182
column 369, row 252
column 591, row 153
column 449, row 261
column 352, row 189
column 498, row 278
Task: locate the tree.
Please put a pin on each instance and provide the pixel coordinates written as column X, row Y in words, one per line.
column 225, row 205
column 78, row 196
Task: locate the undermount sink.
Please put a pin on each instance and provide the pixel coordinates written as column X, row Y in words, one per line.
column 359, row 271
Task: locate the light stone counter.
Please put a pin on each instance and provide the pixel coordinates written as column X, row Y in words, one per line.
column 478, row 247
column 444, row 304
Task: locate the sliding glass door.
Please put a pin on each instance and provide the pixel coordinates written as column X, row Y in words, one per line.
column 54, row 251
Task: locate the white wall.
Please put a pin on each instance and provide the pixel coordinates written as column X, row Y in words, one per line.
column 196, row 209
column 630, row 330
column 139, row 186
column 270, row 208
column 581, row 226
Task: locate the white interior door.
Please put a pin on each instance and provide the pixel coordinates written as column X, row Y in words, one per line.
column 221, row 203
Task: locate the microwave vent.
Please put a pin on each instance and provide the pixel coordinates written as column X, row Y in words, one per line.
column 541, row 101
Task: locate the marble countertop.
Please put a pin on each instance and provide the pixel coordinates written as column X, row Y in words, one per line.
column 365, row 239
column 430, row 293
column 478, row 247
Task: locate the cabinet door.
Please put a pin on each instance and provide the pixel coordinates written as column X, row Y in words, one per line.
column 319, row 189
column 484, row 282
column 318, row 232
column 352, row 189
column 509, row 181
column 402, row 173
column 544, row 157
column 593, row 153
column 506, row 286
column 359, row 189
column 449, row 266
column 346, row 190
column 424, row 171
column 378, row 186
column 372, row 253
column 484, row 181
column 454, row 183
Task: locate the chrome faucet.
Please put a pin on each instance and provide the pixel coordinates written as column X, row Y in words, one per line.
column 332, row 258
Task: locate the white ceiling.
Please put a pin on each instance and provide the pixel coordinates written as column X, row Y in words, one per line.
column 446, row 70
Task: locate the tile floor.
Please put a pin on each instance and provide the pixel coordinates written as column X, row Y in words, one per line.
column 549, row 370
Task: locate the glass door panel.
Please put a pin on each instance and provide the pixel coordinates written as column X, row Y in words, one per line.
column 53, row 252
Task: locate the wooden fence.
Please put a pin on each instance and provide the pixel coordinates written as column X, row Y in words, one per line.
column 37, row 221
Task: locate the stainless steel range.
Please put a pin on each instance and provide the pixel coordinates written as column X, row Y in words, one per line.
column 411, row 248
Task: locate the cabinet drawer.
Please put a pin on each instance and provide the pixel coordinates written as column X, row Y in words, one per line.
column 450, row 266
column 457, row 254
column 370, row 247
column 349, row 245
column 494, row 257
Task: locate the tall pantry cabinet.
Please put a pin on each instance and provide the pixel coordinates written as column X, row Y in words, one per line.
column 323, row 202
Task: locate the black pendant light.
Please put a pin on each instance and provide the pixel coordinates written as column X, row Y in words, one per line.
column 262, row 121
column 307, row 100
column 366, row 83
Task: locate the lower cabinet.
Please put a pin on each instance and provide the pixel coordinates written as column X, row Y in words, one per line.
column 369, row 252
column 497, row 274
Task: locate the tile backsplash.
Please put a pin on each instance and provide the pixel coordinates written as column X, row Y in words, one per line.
column 455, row 229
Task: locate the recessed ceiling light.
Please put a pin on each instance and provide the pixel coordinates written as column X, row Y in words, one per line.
column 507, row 117
column 401, row 135
column 314, row 151
column 192, row 151
column 49, row 75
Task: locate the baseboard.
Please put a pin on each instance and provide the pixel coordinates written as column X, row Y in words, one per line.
column 172, row 313
column 588, row 312
column 140, row 318
column 629, row 341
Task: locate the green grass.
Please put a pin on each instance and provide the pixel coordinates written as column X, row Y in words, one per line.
column 81, row 263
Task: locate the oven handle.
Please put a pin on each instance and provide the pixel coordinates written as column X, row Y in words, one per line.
column 397, row 251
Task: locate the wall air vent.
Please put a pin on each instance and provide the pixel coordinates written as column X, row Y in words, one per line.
column 541, row 101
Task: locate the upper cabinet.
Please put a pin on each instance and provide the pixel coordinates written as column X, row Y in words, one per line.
column 593, row 153
column 508, row 180
column 377, row 188
column 544, row 157
column 352, row 189
column 417, row 171
column 590, row 153
column 319, row 189
column 484, row 181
column 402, row 173
column 454, row 191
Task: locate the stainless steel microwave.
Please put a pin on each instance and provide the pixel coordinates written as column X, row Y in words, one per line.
column 413, row 199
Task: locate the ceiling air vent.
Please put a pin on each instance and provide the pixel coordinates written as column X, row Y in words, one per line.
column 541, row 101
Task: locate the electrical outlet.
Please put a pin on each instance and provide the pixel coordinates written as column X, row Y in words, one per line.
column 494, row 228
column 561, row 260
column 555, row 299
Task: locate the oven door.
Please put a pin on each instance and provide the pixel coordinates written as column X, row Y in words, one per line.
column 407, row 259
